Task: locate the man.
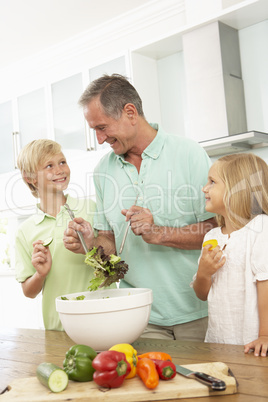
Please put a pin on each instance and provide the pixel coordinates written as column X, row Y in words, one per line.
column 165, row 174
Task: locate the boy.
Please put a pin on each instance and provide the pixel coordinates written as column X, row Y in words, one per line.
column 53, row 270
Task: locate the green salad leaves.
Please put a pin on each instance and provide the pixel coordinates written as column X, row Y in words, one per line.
column 73, row 298
column 107, row 268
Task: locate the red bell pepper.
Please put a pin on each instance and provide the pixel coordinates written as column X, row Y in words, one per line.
column 111, row 368
column 165, row 368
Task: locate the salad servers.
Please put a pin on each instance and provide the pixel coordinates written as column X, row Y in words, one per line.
column 126, row 231
column 81, row 238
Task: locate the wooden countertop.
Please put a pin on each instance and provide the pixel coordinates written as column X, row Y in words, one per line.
column 21, row 350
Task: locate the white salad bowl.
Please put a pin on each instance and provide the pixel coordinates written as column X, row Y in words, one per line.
column 105, row 317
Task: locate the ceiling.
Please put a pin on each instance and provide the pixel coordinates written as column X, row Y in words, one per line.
column 30, row 26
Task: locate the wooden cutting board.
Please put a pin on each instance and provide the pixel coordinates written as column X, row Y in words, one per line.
column 30, row 389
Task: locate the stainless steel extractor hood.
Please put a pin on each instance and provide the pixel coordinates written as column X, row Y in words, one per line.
column 235, row 143
column 215, row 91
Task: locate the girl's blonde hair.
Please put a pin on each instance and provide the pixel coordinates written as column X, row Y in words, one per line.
column 32, row 156
column 246, row 187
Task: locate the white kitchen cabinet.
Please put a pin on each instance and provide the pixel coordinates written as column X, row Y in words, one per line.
column 68, row 123
column 21, row 121
column 118, row 66
column 32, row 116
column 69, row 126
column 159, row 77
column 52, row 111
column 6, row 129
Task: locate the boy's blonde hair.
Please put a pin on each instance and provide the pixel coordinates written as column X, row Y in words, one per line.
column 32, row 156
column 246, row 187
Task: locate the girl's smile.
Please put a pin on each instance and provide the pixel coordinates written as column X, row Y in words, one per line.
column 214, row 192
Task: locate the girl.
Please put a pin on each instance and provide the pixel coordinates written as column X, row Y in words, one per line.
column 233, row 276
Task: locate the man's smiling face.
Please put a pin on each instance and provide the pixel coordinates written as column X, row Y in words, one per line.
column 118, row 133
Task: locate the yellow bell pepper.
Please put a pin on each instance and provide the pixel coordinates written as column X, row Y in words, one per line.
column 212, row 242
column 131, row 356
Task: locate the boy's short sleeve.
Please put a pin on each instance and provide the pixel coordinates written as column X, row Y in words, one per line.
column 23, row 266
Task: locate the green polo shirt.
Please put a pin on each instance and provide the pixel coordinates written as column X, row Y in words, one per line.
column 69, row 273
column 173, row 171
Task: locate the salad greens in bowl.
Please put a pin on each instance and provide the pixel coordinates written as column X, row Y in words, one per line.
column 107, row 268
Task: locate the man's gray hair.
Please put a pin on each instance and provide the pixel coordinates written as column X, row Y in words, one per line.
column 114, row 92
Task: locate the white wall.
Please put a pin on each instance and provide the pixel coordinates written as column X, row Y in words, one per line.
column 99, row 45
column 16, row 310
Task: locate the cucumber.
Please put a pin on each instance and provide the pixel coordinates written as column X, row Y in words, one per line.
column 52, row 376
column 48, row 241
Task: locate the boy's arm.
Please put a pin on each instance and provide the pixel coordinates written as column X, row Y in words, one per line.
column 33, row 285
column 42, row 261
column 260, row 345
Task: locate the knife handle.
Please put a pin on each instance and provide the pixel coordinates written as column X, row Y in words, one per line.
column 214, row 383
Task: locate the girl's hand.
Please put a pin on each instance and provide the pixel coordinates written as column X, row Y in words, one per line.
column 210, row 261
column 260, row 346
column 41, row 258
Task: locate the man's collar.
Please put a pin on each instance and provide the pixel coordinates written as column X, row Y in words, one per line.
column 154, row 148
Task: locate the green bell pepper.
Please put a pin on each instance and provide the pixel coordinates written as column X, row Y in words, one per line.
column 78, row 363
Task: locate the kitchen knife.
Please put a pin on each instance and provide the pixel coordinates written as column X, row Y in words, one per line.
column 215, row 383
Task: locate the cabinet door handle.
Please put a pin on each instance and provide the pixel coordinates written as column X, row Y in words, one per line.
column 16, row 147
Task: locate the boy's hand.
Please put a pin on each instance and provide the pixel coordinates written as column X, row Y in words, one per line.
column 71, row 240
column 41, row 258
column 260, row 346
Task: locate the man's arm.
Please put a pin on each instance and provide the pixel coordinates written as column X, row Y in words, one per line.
column 187, row 238
column 105, row 239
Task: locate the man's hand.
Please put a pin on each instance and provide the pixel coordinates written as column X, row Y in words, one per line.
column 141, row 222
column 71, row 240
